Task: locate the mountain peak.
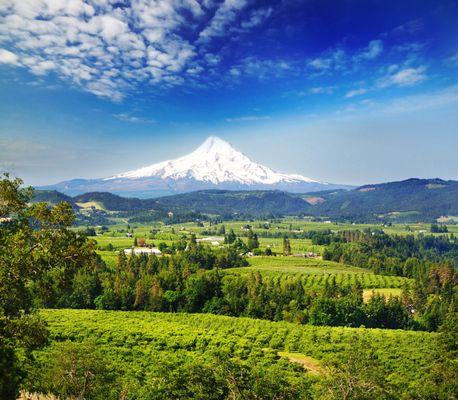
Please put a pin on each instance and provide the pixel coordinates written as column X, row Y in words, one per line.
column 215, row 161
column 214, row 144
column 215, row 164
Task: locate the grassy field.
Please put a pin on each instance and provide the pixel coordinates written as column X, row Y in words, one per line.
column 318, row 271
column 298, row 225
column 134, row 339
column 297, row 265
column 158, row 232
column 315, row 272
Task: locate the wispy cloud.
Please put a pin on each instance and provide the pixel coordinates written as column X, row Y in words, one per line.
column 356, row 92
column 373, row 50
column 403, row 77
column 264, row 68
column 446, row 97
column 331, row 59
column 340, row 59
column 409, row 27
column 322, row 90
column 442, row 98
column 452, row 60
column 223, row 17
column 248, row 118
column 131, row 118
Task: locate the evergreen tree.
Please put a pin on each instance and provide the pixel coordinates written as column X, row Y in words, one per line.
column 253, row 241
column 230, row 238
column 222, row 230
column 286, row 246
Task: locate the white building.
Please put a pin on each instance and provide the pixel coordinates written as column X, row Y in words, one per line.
column 143, row 250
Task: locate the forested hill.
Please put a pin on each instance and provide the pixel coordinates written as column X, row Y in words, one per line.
column 102, row 200
column 409, row 200
column 225, row 202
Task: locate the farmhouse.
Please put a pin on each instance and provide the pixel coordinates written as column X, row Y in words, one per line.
column 143, row 250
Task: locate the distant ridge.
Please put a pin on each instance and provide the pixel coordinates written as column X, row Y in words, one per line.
column 215, row 164
column 412, row 200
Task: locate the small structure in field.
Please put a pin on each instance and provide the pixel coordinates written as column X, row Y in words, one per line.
column 143, row 250
column 213, row 240
column 308, row 254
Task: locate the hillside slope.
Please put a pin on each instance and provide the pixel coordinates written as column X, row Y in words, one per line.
column 407, row 201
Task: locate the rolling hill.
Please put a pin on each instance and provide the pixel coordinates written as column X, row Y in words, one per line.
column 409, row 200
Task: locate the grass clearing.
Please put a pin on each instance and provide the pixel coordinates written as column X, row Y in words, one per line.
column 311, row 365
column 92, row 204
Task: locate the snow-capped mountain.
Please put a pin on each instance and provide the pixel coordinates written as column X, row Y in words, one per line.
column 215, row 164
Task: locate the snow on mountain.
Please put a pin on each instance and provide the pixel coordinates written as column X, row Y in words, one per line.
column 216, row 162
column 213, row 165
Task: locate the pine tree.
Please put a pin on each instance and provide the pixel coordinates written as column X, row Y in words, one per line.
column 286, row 246
column 230, row 238
column 253, row 241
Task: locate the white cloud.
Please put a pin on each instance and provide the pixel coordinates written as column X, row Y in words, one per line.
column 109, row 48
column 256, row 18
column 320, row 63
column 373, row 50
column 264, row 68
column 410, row 27
column 224, row 16
column 322, row 90
column 248, row 118
column 356, row 92
column 131, row 118
column 438, row 99
column 403, row 77
column 452, row 60
column 338, row 59
column 7, row 57
column 333, row 59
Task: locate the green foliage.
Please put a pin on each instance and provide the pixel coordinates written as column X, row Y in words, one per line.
column 286, row 246
column 358, row 376
column 74, row 370
column 408, row 256
column 38, row 254
column 161, row 353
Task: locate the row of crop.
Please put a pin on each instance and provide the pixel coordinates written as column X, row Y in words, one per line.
column 134, row 335
column 366, row 280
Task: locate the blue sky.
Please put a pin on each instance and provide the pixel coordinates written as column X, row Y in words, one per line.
column 341, row 91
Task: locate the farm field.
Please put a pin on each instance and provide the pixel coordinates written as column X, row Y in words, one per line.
column 315, row 272
column 299, row 265
column 297, row 224
column 132, row 340
column 115, row 236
